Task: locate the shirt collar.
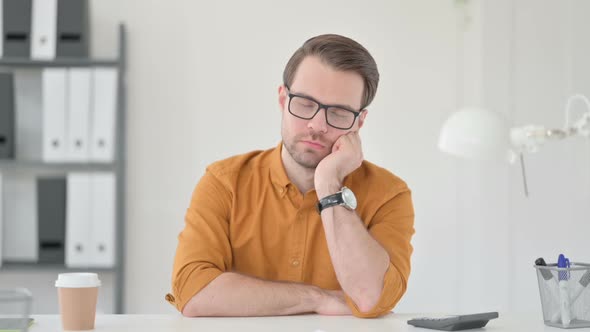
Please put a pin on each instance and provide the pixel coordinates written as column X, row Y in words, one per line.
column 278, row 175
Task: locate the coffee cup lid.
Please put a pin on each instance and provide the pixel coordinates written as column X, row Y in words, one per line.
column 77, row 280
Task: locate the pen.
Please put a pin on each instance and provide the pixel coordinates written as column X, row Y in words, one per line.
column 545, row 273
column 548, row 277
column 564, row 301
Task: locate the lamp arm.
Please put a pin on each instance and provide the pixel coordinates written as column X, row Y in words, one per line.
column 568, row 109
column 530, row 138
column 582, row 126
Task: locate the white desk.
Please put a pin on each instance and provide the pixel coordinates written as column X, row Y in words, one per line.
column 303, row 323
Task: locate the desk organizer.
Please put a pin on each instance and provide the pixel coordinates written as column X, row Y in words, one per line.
column 15, row 309
column 565, row 295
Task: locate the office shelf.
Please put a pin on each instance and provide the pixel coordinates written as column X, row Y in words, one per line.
column 117, row 166
column 59, row 268
column 6, row 164
column 58, row 62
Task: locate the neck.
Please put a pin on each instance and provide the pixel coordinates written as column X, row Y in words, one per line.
column 301, row 177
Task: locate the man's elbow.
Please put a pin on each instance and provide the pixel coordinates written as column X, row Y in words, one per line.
column 188, row 311
column 375, row 305
column 367, row 298
column 194, row 308
column 366, row 307
column 366, row 303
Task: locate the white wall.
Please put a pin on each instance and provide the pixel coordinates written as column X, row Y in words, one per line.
column 522, row 59
column 202, row 85
column 551, row 62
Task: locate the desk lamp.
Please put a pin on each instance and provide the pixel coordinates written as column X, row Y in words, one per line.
column 480, row 134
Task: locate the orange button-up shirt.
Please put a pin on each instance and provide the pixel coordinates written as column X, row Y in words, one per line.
column 246, row 216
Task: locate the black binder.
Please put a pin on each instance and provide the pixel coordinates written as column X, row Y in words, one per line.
column 72, row 28
column 16, row 18
column 7, row 120
column 51, row 208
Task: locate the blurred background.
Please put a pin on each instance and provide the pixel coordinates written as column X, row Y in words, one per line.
column 201, row 85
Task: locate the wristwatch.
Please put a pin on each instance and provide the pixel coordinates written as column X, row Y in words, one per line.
column 344, row 197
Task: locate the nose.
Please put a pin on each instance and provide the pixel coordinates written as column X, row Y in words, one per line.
column 319, row 122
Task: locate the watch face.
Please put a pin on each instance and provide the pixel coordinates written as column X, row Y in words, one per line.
column 349, row 198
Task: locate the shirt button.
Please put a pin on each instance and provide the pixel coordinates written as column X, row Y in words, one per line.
column 295, row 263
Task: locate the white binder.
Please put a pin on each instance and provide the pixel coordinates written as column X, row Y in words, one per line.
column 90, row 220
column 103, row 199
column 43, row 29
column 19, row 242
column 54, row 114
column 78, row 207
column 78, row 123
column 28, row 86
column 103, row 115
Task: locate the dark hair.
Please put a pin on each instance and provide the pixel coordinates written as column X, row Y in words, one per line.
column 341, row 53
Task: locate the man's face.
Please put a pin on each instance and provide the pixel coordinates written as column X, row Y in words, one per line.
column 310, row 141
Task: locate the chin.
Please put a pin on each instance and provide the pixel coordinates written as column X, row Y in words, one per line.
column 308, row 159
column 311, row 164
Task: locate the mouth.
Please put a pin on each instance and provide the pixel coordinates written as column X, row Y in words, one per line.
column 313, row 144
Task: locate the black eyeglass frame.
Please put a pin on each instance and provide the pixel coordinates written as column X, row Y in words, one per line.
column 320, row 106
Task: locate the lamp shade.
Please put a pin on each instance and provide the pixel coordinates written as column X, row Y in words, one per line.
column 475, row 134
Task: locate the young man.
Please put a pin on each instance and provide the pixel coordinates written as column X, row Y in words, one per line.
column 255, row 242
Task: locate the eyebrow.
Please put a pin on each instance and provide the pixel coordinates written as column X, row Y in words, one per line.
column 348, row 107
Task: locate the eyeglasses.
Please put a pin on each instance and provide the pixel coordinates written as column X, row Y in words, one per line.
column 306, row 108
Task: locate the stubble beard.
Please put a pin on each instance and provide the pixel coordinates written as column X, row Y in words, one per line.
column 306, row 157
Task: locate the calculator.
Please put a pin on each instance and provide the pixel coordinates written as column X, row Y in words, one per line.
column 454, row 323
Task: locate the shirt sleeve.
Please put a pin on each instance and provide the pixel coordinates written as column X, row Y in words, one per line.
column 393, row 227
column 204, row 250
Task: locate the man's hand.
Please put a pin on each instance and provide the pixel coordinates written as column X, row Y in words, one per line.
column 346, row 156
column 332, row 303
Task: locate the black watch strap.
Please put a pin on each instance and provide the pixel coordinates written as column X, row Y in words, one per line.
column 330, row 200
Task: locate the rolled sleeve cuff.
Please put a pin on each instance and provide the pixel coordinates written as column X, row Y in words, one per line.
column 393, row 289
column 184, row 290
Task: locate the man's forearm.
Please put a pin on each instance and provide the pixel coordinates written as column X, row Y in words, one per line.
column 233, row 294
column 359, row 260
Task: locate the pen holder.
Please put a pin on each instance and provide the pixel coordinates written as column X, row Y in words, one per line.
column 565, row 295
column 15, row 309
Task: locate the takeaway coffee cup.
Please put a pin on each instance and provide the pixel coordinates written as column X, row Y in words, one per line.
column 77, row 293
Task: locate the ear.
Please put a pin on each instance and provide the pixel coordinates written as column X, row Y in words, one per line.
column 282, row 97
column 362, row 117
